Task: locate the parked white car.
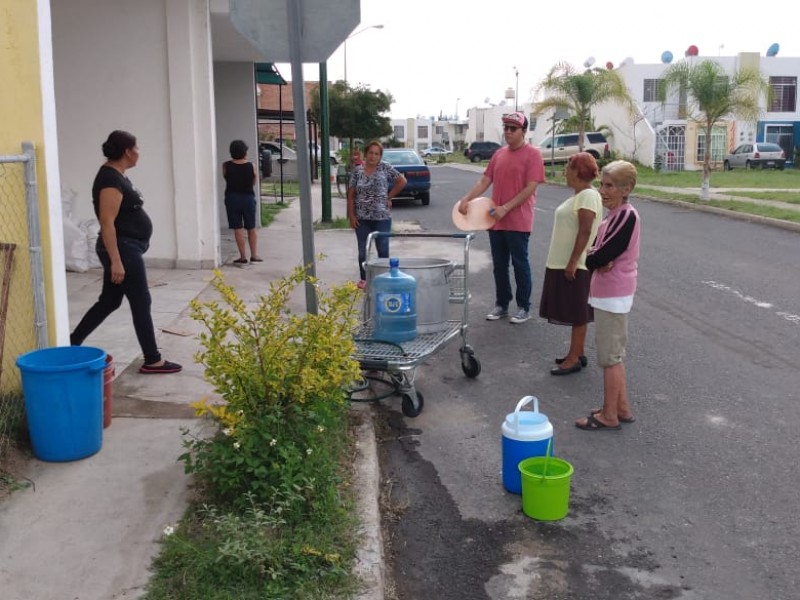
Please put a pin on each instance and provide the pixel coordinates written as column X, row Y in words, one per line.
column 558, row 149
column 435, row 151
column 760, row 154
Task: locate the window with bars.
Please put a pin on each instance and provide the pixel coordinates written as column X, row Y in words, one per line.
column 422, row 131
column 399, row 132
column 718, row 146
column 651, row 89
column 784, row 94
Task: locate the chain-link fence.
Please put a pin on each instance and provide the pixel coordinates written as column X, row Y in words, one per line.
column 18, row 333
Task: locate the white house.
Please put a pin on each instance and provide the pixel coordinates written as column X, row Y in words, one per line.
column 663, row 131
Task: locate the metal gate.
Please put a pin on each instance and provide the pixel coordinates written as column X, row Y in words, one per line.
column 783, row 135
column 671, row 147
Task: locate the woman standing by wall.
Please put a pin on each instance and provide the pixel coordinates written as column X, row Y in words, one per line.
column 240, row 200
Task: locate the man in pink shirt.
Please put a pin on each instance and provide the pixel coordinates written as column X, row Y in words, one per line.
column 513, row 172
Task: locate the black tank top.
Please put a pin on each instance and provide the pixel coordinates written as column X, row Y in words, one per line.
column 239, row 177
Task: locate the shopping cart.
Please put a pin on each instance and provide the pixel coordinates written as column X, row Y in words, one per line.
column 392, row 366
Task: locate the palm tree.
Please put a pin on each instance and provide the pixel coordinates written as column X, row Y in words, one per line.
column 578, row 92
column 715, row 95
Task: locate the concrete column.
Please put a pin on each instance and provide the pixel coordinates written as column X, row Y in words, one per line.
column 194, row 158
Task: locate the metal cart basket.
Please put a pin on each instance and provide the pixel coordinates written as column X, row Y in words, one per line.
column 394, row 364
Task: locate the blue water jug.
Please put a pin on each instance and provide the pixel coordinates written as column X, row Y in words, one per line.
column 395, row 303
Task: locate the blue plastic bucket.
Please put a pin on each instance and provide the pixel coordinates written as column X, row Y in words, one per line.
column 63, row 390
column 525, row 434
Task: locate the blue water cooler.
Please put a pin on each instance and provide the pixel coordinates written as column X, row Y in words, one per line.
column 395, row 305
column 525, row 434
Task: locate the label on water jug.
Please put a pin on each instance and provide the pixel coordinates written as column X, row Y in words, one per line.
column 393, row 303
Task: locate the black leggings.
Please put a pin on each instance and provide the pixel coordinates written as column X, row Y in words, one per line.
column 134, row 288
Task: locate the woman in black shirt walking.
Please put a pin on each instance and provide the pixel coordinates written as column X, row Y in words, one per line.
column 125, row 230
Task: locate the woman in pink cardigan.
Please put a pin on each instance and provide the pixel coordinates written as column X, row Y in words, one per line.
column 613, row 261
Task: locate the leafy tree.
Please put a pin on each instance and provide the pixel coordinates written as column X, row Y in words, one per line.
column 393, row 142
column 578, row 92
column 715, row 95
column 356, row 112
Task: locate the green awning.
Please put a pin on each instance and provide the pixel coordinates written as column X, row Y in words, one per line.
column 268, row 73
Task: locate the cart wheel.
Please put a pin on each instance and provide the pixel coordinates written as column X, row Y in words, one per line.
column 471, row 366
column 408, row 407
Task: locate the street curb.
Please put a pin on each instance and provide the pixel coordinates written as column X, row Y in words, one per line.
column 369, row 567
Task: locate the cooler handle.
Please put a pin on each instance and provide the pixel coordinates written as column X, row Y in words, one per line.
column 520, row 404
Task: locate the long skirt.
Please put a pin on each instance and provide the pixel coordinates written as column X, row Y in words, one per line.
column 566, row 302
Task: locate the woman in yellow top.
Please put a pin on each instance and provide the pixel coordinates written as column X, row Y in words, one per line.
column 565, row 292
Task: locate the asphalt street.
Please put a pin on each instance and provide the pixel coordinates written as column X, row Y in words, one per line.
column 696, row 500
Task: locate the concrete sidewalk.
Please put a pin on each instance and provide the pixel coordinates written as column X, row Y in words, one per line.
column 89, row 529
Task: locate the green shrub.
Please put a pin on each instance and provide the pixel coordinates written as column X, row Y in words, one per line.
column 282, row 429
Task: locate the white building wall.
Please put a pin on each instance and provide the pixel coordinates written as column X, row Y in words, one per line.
column 144, row 67
column 60, row 306
column 191, row 108
column 486, row 124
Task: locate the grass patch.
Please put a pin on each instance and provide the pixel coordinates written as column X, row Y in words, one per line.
column 291, row 189
column 788, row 197
column 749, row 208
column 732, row 205
column 738, row 178
column 269, row 210
column 254, row 554
column 336, row 223
column 14, row 450
column 653, row 193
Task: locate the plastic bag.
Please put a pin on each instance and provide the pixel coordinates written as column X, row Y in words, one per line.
column 91, row 229
column 76, row 252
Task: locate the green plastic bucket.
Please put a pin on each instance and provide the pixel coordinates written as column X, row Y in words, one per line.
column 545, row 487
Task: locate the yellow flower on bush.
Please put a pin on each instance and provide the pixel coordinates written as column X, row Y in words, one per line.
column 220, row 413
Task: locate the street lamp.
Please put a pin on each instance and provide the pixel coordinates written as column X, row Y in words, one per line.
column 516, row 92
column 352, row 36
column 457, row 99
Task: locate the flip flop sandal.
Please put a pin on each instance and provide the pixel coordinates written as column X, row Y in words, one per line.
column 593, row 424
column 597, row 411
column 240, row 261
column 167, row 367
column 256, row 259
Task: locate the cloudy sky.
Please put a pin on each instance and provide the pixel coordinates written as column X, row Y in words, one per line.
column 442, row 56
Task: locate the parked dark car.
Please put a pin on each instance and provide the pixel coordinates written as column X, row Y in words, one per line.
column 760, row 154
column 479, row 151
column 416, row 172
